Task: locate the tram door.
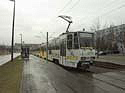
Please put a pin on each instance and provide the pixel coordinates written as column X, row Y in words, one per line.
column 63, row 51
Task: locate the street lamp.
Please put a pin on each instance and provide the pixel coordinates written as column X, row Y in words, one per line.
column 21, row 43
column 21, row 40
column 12, row 42
column 68, row 19
column 40, row 43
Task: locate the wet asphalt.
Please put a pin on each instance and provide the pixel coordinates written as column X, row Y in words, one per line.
column 40, row 76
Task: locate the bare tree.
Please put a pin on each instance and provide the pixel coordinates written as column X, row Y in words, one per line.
column 95, row 28
column 122, row 41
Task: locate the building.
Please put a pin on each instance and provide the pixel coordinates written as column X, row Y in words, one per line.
column 111, row 39
column 5, row 49
column 31, row 46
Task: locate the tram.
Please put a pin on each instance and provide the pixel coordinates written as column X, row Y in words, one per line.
column 71, row 49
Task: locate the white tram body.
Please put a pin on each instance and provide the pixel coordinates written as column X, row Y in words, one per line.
column 72, row 49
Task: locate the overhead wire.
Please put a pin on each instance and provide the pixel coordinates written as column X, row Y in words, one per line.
column 74, row 5
column 110, row 11
column 61, row 10
column 67, row 4
column 109, row 4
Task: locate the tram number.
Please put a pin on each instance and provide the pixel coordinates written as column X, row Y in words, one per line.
column 72, row 57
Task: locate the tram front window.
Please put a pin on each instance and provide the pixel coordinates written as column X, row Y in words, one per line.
column 86, row 40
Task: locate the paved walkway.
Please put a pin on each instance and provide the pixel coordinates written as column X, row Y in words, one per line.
column 6, row 58
column 35, row 79
column 42, row 77
column 116, row 59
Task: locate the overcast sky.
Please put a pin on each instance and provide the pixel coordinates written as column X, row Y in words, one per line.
column 35, row 16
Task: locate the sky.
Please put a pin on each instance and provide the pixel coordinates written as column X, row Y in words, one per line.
column 36, row 17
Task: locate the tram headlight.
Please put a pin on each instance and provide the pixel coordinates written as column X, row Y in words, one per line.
column 92, row 58
column 87, row 58
column 83, row 58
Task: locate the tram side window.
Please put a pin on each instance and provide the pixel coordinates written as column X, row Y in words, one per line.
column 50, row 52
column 57, row 44
column 69, row 41
column 50, row 47
column 63, row 48
column 76, row 45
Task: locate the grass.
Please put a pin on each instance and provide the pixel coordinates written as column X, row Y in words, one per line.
column 1, row 54
column 10, row 76
column 113, row 58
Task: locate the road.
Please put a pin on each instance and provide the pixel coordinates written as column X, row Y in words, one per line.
column 6, row 58
column 42, row 77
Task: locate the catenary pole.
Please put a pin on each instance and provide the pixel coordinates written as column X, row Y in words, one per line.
column 12, row 42
column 21, row 44
column 47, row 47
column 21, row 40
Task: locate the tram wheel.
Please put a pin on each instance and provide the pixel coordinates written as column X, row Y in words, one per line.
column 56, row 61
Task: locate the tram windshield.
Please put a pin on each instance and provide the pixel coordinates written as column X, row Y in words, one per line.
column 86, row 40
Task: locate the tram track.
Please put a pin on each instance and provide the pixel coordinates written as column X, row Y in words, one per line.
column 71, row 80
column 109, row 65
column 101, row 78
column 96, row 74
column 116, row 78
